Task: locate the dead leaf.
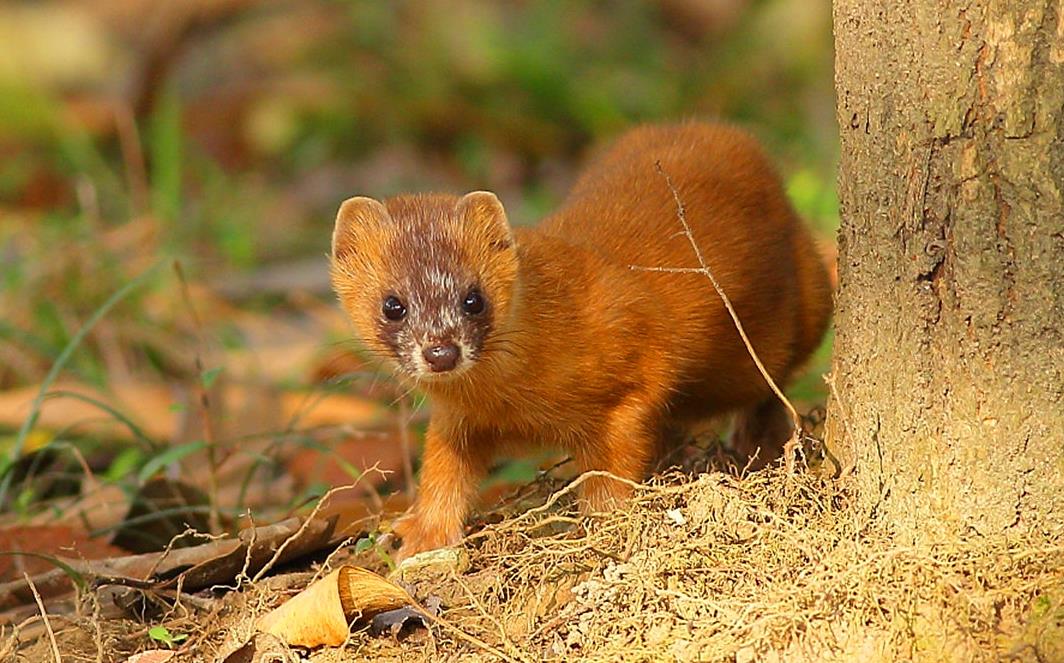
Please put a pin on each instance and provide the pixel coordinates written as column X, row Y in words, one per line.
column 262, row 648
column 50, row 540
column 151, row 407
column 213, row 563
column 323, row 613
column 146, row 405
column 152, row 656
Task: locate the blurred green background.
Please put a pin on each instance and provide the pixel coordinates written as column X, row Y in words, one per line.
column 221, row 134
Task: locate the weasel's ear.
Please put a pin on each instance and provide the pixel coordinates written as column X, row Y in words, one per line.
column 483, row 218
column 356, row 216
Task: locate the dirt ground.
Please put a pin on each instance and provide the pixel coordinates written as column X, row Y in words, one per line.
column 698, row 567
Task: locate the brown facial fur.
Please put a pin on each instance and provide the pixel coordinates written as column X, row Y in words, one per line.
column 429, row 251
column 585, row 352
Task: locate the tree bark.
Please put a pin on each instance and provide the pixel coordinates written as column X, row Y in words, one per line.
column 948, row 378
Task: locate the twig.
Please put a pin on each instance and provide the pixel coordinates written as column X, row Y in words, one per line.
column 243, row 575
column 190, row 532
column 8, row 643
column 703, row 268
column 565, row 490
column 462, row 635
column 44, row 616
column 750, row 462
column 97, row 629
column 90, row 479
column 178, row 592
column 326, row 566
column 480, row 608
column 249, row 548
column 306, row 523
column 591, row 474
column 214, row 517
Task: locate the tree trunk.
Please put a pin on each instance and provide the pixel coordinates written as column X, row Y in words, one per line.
column 949, row 355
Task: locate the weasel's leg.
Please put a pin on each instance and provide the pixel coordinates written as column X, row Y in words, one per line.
column 626, row 448
column 452, row 465
column 761, row 430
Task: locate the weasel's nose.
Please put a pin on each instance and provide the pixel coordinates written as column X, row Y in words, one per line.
column 442, row 357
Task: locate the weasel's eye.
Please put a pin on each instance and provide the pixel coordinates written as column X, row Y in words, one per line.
column 394, row 309
column 473, row 303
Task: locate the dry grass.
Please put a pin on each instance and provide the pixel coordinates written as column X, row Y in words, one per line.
column 773, row 566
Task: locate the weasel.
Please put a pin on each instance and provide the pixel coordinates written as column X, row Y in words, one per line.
column 560, row 335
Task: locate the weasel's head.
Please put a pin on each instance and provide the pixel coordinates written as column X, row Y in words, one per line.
column 428, row 280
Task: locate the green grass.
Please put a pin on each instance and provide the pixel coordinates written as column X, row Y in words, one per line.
column 6, row 465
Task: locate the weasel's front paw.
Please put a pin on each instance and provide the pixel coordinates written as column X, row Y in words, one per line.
column 420, row 534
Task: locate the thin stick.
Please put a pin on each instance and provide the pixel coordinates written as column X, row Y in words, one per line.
column 249, row 548
column 703, row 268
column 326, row 566
column 462, row 635
column 44, row 616
column 190, row 532
column 97, row 635
column 829, row 379
column 574, row 484
column 243, row 576
column 565, row 490
column 306, row 523
column 214, row 517
column 9, row 642
column 90, row 479
column 480, row 608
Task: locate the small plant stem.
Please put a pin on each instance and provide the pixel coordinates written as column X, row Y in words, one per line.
column 214, row 517
column 44, row 616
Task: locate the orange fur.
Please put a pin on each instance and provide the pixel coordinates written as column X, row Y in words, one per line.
column 587, row 352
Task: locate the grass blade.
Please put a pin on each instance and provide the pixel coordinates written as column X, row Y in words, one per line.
column 170, row 455
column 57, row 367
column 70, row 571
column 136, row 430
